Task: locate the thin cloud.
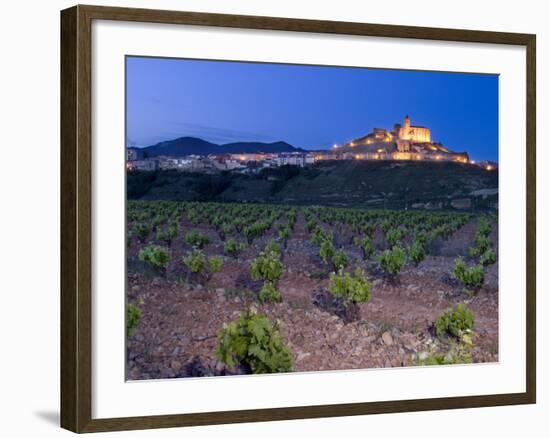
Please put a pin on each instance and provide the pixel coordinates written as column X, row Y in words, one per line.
column 215, row 134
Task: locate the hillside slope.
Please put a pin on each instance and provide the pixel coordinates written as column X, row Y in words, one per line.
column 336, row 183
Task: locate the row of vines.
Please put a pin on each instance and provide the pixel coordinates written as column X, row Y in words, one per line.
column 387, row 240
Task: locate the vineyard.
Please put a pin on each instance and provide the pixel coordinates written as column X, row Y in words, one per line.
column 232, row 288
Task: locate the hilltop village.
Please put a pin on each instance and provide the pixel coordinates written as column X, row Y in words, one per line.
column 405, row 142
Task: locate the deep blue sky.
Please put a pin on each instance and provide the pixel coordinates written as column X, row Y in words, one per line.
column 307, row 106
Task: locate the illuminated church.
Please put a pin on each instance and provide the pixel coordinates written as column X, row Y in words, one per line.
column 417, row 134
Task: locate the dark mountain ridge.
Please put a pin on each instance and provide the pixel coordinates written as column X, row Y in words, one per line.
column 183, row 146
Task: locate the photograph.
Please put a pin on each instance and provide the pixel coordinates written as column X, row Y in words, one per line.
column 308, row 218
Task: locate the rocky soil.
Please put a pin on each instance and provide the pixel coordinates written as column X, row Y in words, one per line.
column 176, row 336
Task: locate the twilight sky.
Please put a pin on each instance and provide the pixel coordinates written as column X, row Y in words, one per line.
column 307, row 106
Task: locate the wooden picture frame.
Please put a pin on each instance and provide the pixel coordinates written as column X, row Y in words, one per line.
column 76, row 217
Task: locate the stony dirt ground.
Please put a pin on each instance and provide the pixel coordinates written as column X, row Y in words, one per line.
column 176, row 336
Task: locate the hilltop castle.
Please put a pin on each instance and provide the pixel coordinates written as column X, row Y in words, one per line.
column 405, row 142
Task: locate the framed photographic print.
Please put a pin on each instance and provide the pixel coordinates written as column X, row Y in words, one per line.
column 268, row 218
